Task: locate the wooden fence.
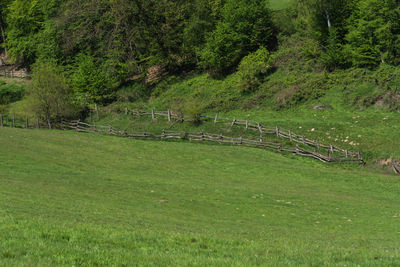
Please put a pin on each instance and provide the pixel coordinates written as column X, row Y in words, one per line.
column 257, row 127
column 80, row 126
column 303, row 147
column 396, row 167
column 14, row 73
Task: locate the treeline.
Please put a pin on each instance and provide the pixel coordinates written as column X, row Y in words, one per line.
column 95, row 46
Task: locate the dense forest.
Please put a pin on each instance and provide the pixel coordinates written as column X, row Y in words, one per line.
column 85, row 51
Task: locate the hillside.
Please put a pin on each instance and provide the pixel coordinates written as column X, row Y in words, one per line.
column 96, row 200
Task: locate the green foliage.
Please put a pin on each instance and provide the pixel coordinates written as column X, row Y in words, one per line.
column 133, row 92
column 252, row 67
column 245, row 26
column 374, row 33
column 91, row 81
column 333, row 55
column 10, row 93
column 48, row 95
column 30, row 34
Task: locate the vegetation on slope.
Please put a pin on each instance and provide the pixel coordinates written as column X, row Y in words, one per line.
column 226, row 205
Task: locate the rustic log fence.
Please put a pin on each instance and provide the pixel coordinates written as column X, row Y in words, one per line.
column 318, row 151
column 256, row 127
column 26, row 122
column 396, row 167
column 84, row 127
column 14, row 74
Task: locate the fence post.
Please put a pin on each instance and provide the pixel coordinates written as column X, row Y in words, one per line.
column 277, row 131
column 233, row 122
column 27, row 123
column 216, row 118
column 13, row 121
column 347, row 153
column 153, row 116
column 110, row 129
column 163, row 133
column 1, row 121
column 261, row 139
column 49, row 123
column 241, row 140
column 360, row 157
column 260, row 128
column 332, row 149
column 247, row 124
column 126, row 111
column 304, row 140
column 290, row 136
column 169, row 115
column 97, row 111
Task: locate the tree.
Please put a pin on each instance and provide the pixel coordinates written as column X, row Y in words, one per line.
column 374, row 33
column 245, row 26
column 30, row 30
column 91, row 82
column 48, row 94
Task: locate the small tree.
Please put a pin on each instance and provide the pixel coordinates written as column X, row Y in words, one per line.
column 252, row 67
column 49, row 96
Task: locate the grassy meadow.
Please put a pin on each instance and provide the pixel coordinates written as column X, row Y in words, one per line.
column 81, row 199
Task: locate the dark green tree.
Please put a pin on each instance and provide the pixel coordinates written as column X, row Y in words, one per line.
column 245, row 26
column 374, row 33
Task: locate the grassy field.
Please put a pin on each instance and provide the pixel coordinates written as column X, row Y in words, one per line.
column 279, row 4
column 82, row 199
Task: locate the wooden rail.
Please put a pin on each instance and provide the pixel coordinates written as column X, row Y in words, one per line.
column 396, row 167
column 257, row 127
column 302, row 145
column 80, row 126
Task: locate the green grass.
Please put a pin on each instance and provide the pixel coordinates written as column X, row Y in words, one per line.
column 82, row 199
column 279, row 4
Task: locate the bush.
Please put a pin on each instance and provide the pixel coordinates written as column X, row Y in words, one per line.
column 133, row 92
column 10, row 93
column 252, row 67
column 49, row 96
column 91, row 82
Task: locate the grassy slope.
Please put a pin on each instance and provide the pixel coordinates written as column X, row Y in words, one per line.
column 279, row 4
column 68, row 198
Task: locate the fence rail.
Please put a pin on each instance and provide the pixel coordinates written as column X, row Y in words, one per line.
column 80, row 126
column 14, row 73
column 303, row 146
column 257, row 127
column 396, row 167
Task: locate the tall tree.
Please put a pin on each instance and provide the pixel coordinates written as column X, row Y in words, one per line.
column 245, row 26
column 374, row 33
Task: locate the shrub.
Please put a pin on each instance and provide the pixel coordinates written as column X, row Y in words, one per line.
column 132, row 93
column 49, row 96
column 10, row 93
column 91, row 82
column 252, row 67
